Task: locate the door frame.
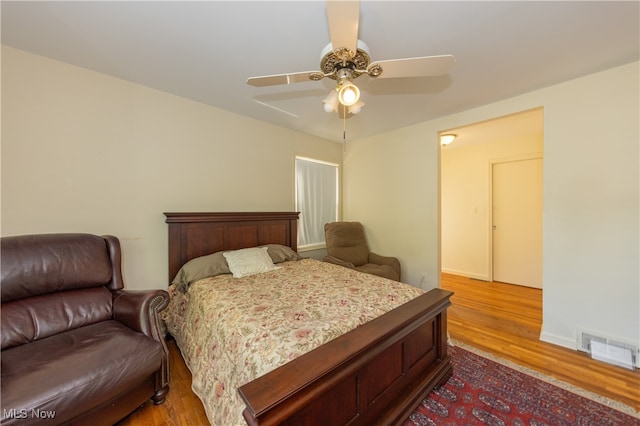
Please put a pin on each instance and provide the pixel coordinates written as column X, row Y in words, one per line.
column 524, row 157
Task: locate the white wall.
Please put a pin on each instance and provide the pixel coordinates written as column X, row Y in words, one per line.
column 465, row 182
column 591, row 207
column 591, row 195
column 84, row 152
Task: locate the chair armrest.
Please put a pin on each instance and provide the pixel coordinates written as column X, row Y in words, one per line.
column 140, row 310
column 385, row 260
column 336, row 261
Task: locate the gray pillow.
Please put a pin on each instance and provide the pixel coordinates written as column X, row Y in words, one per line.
column 201, row 267
column 216, row 264
column 280, row 253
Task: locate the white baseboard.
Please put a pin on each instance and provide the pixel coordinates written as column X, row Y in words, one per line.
column 558, row 340
column 465, row 274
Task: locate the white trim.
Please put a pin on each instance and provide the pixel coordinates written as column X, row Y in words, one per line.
column 315, row 160
column 466, row 274
column 311, row 247
column 558, row 340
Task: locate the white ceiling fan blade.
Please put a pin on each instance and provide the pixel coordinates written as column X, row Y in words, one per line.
column 343, row 17
column 276, row 108
column 274, row 80
column 426, row 66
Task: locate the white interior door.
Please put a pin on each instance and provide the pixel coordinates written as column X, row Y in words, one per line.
column 517, row 222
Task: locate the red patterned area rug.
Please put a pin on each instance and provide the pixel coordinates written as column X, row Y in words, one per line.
column 485, row 392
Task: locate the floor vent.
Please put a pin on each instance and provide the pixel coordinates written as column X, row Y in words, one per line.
column 608, row 350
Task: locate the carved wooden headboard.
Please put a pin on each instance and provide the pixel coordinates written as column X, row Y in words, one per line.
column 197, row 234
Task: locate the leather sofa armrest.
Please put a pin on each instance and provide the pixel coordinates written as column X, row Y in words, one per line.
column 336, row 261
column 385, row 260
column 140, row 310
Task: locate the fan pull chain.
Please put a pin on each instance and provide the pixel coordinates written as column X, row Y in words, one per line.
column 344, row 126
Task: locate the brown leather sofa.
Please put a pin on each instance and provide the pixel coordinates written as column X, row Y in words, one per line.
column 76, row 347
column 347, row 246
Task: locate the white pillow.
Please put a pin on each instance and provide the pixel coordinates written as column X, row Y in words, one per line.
column 249, row 261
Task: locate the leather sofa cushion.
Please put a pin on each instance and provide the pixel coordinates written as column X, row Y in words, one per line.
column 72, row 372
column 39, row 264
column 26, row 320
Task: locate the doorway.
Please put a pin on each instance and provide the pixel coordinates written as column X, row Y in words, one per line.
column 466, row 168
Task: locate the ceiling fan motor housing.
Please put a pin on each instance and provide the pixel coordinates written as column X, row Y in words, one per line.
column 334, row 60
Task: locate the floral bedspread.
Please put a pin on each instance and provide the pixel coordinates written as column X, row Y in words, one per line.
column 233, row 330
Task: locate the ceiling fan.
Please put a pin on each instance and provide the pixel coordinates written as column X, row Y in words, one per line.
column 346, row 58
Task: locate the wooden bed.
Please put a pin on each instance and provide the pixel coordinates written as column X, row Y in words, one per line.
column 375, row 374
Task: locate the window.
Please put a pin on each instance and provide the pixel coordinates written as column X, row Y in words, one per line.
column 316, row 199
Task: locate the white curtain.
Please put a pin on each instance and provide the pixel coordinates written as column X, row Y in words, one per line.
column 316, row 199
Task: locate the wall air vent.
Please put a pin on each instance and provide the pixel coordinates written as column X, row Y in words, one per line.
column 608, row 350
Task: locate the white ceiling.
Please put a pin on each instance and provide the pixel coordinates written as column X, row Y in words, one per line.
column 205, row 51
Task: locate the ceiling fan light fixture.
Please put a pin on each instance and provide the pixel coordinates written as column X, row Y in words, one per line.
column 328, row 107
column 356, row 108
column 331, row 101
column 447, row 138
column 348, row 93
column 331, row 104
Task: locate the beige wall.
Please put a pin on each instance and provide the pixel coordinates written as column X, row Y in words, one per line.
column 391, row 186
column 591, row 197
column 465, row 201
column 84, row 152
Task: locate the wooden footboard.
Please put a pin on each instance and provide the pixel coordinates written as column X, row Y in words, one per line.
column 375, row 374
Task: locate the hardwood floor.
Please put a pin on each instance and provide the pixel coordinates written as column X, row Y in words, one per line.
column 506, row 320
column 501, row 319
column 181, row 408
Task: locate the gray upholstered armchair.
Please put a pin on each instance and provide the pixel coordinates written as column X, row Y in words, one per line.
column 347, row 246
